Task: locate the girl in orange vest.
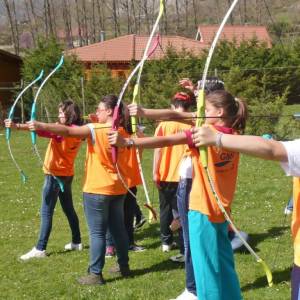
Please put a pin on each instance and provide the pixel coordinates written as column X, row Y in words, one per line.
column 211, row 250
column 287, row 153
column 59, row 162
column 166, row 164
column 103, row 190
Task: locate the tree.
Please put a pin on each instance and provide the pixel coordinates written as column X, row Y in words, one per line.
column 79, row 25
column 11, row 13
column 64, row 84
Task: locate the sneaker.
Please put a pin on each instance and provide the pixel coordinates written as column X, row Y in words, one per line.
column 120, row 270
column 136, row 248
column 288, row 210
column 91, row 279
column 110, row 252
column 71, row 246
column 168, row 248
column 236, row 243
column 175, row 225
column 179, row 258
column 34, row 253
column 186, row 295
column 140, row 223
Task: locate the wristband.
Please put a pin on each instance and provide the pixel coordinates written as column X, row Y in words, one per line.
column 189, row 138
column 130, row 143
column 219, row 140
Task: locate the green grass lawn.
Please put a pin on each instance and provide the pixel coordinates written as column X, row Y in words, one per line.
column 261, row 196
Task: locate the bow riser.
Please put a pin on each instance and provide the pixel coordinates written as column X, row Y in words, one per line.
column 115, row 126
column 33, row 118
column 199, row 122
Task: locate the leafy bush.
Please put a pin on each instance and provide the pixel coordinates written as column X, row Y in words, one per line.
column 266, row 78
column 64, row 84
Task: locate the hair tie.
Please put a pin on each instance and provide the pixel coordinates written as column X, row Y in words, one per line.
column 182, row 96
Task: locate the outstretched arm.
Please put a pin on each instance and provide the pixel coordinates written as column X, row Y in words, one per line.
column 79, row 131
column 116, row 139
column 10, row 124
column 158, row 114
column 250, row 145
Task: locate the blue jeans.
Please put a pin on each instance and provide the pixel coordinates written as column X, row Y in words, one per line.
column 51, row 192
column 102, row 212
column 183, row 194
column 130, row 205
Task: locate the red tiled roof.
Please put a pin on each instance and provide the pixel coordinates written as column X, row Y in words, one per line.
column 131, row 47
column 236, row 33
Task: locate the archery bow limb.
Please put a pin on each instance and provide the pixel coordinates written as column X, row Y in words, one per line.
column 116, row 115
column 152, row 212
column 144, row 58
column 136, row 90
column 10, row 117
column 203, row 150
column 33, row 118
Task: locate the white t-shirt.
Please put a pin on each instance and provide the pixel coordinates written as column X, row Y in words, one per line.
column 186, row 168
column 292, row 166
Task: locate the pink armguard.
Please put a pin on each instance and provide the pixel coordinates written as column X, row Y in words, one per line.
column 188, row 135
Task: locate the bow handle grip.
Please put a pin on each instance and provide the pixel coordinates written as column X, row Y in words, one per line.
column 7, row 129
column 7, row 133
column 199, row 122
column 33, row 118
column 115, row 125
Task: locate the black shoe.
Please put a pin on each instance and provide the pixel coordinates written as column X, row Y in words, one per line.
column 120, row 270
column 136, row 248
column 91, row 279
column 140, row 223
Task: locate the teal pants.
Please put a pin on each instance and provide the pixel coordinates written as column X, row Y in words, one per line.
column 213, row 261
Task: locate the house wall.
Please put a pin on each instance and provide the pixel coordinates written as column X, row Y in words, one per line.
column 117, row 69
column 10, row 75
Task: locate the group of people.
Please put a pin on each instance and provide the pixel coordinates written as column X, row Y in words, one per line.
column 185, row 195
column 109, row 208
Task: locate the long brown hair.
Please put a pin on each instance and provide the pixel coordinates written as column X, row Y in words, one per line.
column 110, row 101
column 235, row 110
column 72, row 112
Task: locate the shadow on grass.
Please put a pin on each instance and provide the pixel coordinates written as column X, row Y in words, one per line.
column 150, row 231
column 163, row 266
column 261, row 282
column 256, row 238
column 63, row 252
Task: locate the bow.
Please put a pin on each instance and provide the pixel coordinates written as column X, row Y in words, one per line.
column 152, row 214
column 10, row 117
column 33, row 118
column 203, row 150
column 116, row 116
